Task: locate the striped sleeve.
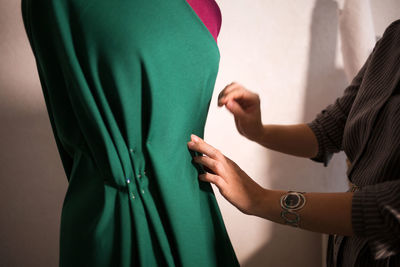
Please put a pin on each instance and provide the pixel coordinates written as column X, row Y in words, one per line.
column 376, row 217
column 329, row 124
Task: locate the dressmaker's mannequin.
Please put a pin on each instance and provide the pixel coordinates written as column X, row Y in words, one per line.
column 125, row 84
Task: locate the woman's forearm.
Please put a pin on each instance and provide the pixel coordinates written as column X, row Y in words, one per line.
column 298, row 140
column 323, row 212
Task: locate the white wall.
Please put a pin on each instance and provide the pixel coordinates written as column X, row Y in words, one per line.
column 32, row 182
column 284, row 50
column 289, row 53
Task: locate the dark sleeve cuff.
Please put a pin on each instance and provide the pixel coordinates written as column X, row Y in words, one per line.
column 321, row 156
column 328, row 128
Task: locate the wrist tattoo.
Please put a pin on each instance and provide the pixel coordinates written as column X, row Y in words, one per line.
column 291, row 202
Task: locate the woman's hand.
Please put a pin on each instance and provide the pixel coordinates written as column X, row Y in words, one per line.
column 233, row 183
column 245, row 107
column 324, row 212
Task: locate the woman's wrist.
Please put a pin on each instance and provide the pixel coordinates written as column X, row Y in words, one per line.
column 259, row 135
column 267, row 205
column 262, row 203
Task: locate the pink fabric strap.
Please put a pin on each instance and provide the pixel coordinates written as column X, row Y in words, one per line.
column 209, row 12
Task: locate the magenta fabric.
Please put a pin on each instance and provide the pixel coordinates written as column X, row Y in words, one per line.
column 209, row 12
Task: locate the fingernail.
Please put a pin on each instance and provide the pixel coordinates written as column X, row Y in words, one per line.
column 190, row 144
column 195, row 138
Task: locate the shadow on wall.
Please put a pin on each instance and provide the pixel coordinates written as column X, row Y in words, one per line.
column 32, row 181
column 32, row 186
column 324, row 84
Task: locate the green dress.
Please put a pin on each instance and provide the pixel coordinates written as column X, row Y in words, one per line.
column 125, row 84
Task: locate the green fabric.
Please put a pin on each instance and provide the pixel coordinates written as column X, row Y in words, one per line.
column 125, row 83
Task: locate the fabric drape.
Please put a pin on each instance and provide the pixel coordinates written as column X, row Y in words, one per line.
column 125, row 84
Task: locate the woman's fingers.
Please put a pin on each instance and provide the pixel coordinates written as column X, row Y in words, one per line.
column 212, row 161
column 227, row 94
column 228, row 89
column 214, row 179
column 215, row 166
column 234, row 94
column 240, row 95
column 197, row 144
column 235, row 109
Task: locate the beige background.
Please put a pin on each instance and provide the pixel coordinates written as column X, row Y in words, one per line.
column 287, row 51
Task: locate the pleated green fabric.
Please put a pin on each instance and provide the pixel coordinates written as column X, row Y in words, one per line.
column 125, row 84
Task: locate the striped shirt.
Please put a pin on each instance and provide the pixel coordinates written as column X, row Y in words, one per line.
column 365, row 123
